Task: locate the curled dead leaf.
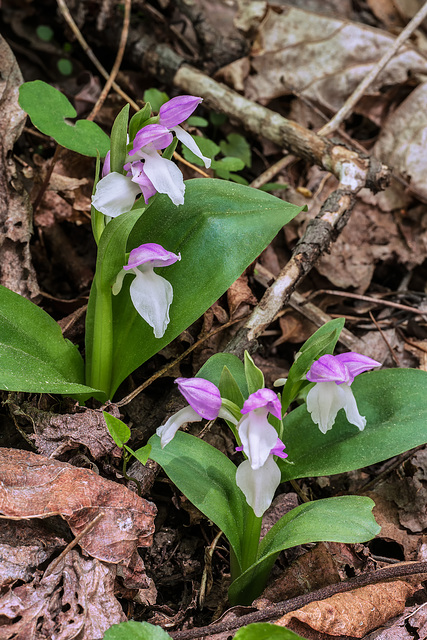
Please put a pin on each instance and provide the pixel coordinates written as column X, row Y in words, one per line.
column 353, row 613
column 32, row 486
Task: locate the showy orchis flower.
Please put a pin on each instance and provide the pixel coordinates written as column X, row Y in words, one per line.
column 259, row 476
column 333, row 376
column 257, row 435
column 150, row 293
column 204, row 401
column 147, row 172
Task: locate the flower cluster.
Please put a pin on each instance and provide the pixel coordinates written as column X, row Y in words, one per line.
column 258, row 476
column 147, row 172
column 333, row 376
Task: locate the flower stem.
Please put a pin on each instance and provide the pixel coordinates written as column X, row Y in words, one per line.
column 100, row 368
column 250, row 541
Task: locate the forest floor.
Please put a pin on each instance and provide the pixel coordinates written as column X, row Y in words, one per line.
column 302, row 60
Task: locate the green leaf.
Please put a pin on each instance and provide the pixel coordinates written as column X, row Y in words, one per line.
column 394, row 404
column 265, row 631
column 254, row 376
column 217, row 119
column 119, row 141
column 346, row 519
column 213, row 369
column 142, row 454
column 229, row 388
column 228, row 164
column 156, row 98
column 133, row 630
column 274, row 186
column 219, row 230
column 119, row 431
column 206, row 146
column 208, row 479
column 48, row 109
column 321, row 342
column 138, row 120
column 34, row 356
column 238, row 147
column 197, row 121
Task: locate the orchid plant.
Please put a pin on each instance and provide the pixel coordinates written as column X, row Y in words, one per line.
column 144, row 217
column 377, row 422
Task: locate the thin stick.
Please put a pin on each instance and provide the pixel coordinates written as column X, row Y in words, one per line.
column 383, row 336
column 117, row 62
column 272, row 171
column 72, row 544
column 172, row 364
column 354, row 98
column 379, row 301
column 43, row 188
column 90, row 54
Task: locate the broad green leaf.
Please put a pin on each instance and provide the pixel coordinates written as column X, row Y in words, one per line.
column 133, row 630
column 219, row 230
column 197, row 121
column 321, row 342
column 119, row 431
column 394, row 404
column 49, row 110
column 228, row 164
column 237, row 146
column 254, row 376
column 265, row 631
column 274, row 186
column 208, row 479
column 346, row 519
column 34, row 356
column 119, row 141
column 213, row 368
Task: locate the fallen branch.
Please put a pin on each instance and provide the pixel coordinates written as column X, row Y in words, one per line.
column 281, row 608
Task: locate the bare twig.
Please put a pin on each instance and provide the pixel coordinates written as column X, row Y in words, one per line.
column 377, row 301
column 352, row 100
column 117, row 62
column 90, row 54
column 384, row 337
column 281, row 608
column 272, row 171
column 42, row 190
column 73, row 543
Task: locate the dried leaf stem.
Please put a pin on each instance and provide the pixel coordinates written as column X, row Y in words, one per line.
column 281, row 608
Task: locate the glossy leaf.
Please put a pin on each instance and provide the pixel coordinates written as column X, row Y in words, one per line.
column 346, row 519
column 49, row 110
column 208, row 479
column 394, row 404
column 265, row 631
column 213, row 369
column 254, row 376
column 219, row 231
column 119, row 431
column 133, row 630
column 119, row 141
column 34, row 356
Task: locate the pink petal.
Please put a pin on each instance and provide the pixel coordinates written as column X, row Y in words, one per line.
column 177, row 110
column 356, row 363
column 263, row 398
column 153, row 134
column 329, row 369
column 203, row 396
column 153, row 253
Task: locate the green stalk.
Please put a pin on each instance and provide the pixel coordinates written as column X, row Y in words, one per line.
column 101, row 362
column 250, row 540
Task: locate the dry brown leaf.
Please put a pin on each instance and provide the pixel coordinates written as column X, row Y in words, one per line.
column 403, row 138
column 240, row 297
column 75, row 600
column 322, row 58
column 56, row 433
column 354, row 613
column 387, row 515
column 385, row 10
column 32, row 486
column 16, row 269
column 24, row 546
